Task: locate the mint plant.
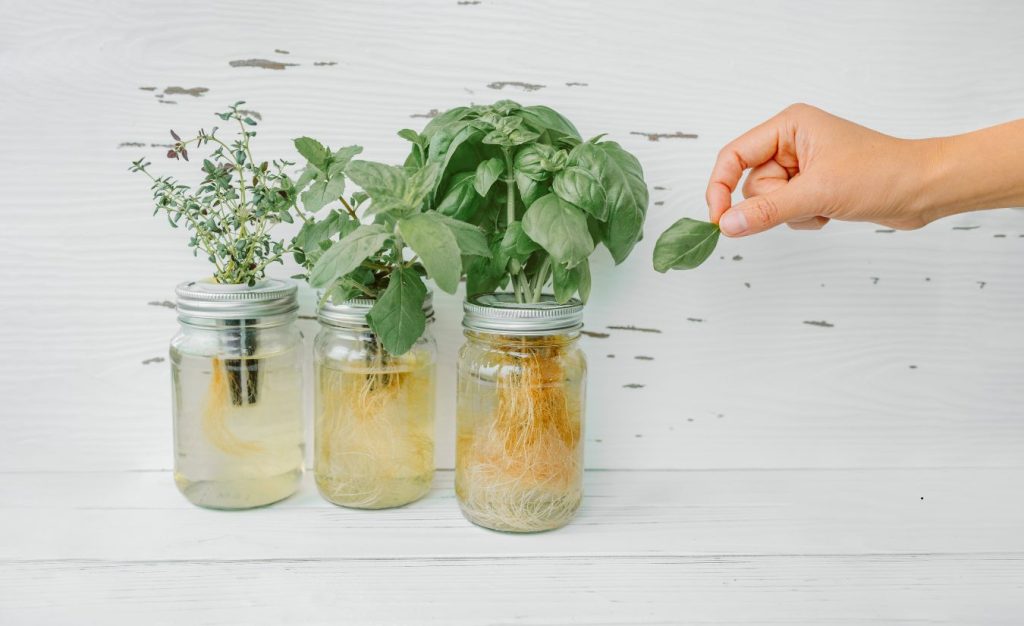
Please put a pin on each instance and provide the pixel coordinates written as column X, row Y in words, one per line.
column 231, row 212
column 542, row 196
column 388, row 258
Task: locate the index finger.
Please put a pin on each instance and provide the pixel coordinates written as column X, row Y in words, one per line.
column 758, row 145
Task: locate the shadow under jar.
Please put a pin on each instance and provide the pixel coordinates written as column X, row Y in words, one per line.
column 520, row 413
column 236, row 371
column 374, row 426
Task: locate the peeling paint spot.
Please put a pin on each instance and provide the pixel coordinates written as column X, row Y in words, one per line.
column 965, row 227
column 595, row 335
column 160, row 145
column 747, row 285
column 636, row 328
column 874, row 280
column 737, row 258
column 981, row 284
column 167, row 102
column 195, row 92
column 599, row 440
column 695, row 319
column 156, row 359
column 468, row 3
column 821, row 323
column 999, row 236
column 515, row 83
column 250, row 113
column 913, row 367
column 147, row 88
column 689, row 419
column 261, row 63
column 642, row 357
column 720, row 415
column 159, row 95
column 432, row 113
column 468, row 90
column 885, row 230
column 659, row 188
column 324, row 63
column 660, row 136
column 167, row 304
column 638, row 435
column 634, row 386
column 610, row 356
column 131, row 144
column 927, row 279
column 576, row 84
column 280, row 51
column 659, row 203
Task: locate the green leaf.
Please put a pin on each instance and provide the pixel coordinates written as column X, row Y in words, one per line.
column 566, row 281
column 322, row 193
column 487, row 173
column 314, row 232
column 542, row 118
column 397, row 317
column 461, row 200
column 584, row 288
column 436, row 246
column 484, row 275
column 530, row 189
column 685, row 245
column 445, row 145
column 378, row 179
column 559, row 228
column 529, row 161
column 346, row 254
column 410, row 135
column 581, row 188
column 516, row 244
column 341, row 158
column 313, row 151
column 470, row 238
column 421, row 182
column 625, row 191
column 310, row 173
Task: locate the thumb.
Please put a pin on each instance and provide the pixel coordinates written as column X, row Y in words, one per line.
column 790, row 202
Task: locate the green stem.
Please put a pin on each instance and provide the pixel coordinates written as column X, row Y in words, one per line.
column 519, row 283
column 540, row 279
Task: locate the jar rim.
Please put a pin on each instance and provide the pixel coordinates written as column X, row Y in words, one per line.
column 200, row 300
column 352, row 312
column 501, row 313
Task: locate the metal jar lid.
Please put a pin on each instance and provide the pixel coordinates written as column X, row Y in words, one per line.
column 206, row 300
column 500, row 313
column 352, row 313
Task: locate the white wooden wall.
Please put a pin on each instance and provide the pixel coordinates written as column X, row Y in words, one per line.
column 850, row 398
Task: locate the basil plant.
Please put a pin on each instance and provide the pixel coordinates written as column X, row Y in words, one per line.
column 542, row 197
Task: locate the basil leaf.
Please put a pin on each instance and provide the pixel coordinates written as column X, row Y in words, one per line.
column 685, row 245
column 542, row 118
column 625, row 190
column 397, row 317
column 484, row 275
column 581, row 188
column 559, row 228
column 378, row 179
column 461, row 201
column 313, row 151
column 436, row 246
column 566, row 282
column 322, row 193
column 471, row 239
column 529, row 161
column 516, row 244
column 487, row 173
column 530, row 189
column 421, row 182
column 346, row 254
column 584, row 287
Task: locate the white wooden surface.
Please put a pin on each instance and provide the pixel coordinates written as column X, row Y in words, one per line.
column 756, row 469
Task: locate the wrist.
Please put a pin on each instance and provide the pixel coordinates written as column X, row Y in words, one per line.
column 935, row 185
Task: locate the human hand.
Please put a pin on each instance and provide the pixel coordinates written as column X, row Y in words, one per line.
column 808, row 166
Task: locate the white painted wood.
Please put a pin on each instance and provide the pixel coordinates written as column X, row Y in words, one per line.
column 807, row 447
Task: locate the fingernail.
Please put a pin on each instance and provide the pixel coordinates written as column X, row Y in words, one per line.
column 733, row 223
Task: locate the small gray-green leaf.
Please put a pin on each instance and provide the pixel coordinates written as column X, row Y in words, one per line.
column 341, row 158
column 378, row 179
column 559, row 228
column 487, row 173
column 313, row 151
column 346, row 254
column 397, row 317
column 436, row 246
column 685, row 245
column 323, row 192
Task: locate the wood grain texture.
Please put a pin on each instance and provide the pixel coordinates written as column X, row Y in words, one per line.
column 775, row 437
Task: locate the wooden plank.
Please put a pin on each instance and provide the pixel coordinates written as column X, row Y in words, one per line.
column 139, row 516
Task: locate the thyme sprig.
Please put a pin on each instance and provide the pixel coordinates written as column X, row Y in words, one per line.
column 231, row 212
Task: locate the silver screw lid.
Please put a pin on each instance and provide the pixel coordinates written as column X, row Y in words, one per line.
column 352, row 313
column 500, row 313
column 207, row 300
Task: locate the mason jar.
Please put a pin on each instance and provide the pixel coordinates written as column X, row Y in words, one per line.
column 374, row 411
column 236, row 373
column 519, row 413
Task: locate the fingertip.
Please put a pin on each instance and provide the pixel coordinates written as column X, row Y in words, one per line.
column 733, row 223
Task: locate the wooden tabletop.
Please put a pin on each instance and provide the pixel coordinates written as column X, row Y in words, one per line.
column 813, row 428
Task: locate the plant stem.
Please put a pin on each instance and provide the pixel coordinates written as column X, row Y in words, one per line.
column 540, row 279
column 519, row 285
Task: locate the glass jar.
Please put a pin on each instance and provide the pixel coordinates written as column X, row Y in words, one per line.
column 519, row 413
column 236, row 372
column 374, row 424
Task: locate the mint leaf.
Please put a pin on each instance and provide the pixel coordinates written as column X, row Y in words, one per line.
column 346, row 254
column 313, row 151
column 470, row 238
column 322, row 193
column 434, row 242
column 397, row 317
